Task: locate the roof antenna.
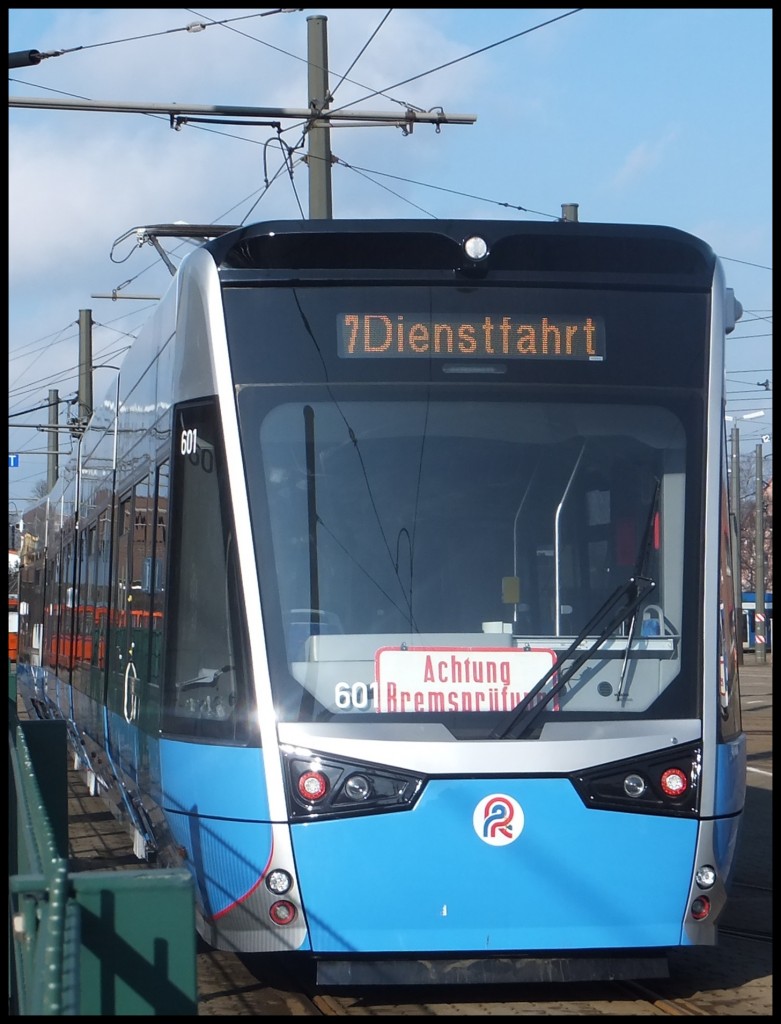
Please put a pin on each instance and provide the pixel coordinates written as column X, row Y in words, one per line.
column 569, row 211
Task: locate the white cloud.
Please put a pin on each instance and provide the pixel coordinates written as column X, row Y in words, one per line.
column 644, row 159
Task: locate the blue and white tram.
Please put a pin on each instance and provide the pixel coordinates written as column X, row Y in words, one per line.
column 393, row 597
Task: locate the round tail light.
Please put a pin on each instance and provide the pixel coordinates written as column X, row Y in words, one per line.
column 673, row 782
column 282, row 912
column 700, row 908
column 312, row 786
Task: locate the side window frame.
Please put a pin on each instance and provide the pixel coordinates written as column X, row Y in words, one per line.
column 206, row 692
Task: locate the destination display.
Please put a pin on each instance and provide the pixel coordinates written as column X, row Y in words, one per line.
column 426, row 679
column 411, row 335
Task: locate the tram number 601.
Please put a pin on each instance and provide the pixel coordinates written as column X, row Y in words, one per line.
column 358, row 696
column 188, row 442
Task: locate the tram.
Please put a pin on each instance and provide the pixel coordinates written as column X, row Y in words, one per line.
column 390, row 593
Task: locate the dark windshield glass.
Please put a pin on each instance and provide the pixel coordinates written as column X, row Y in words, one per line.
column 433, row 532
column 431, row 553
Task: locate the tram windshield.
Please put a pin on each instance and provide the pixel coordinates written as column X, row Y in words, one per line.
column 433, row 552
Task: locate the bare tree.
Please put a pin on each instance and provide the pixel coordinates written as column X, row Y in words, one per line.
column 748, row 525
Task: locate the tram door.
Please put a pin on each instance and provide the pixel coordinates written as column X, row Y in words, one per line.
column 129, row 643
column 121, row 694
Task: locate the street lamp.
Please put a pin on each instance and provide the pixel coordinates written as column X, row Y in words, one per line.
column 747, row 416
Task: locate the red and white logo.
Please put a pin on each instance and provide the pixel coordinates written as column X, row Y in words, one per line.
column 498, row 819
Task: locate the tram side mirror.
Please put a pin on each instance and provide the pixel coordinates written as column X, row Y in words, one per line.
column 733, row 310
column 511, row 590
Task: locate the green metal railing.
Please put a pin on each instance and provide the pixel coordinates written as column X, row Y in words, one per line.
column 108, row 943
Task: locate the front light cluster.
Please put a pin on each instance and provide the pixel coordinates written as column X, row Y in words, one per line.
column 664, row 782
column 322, row 786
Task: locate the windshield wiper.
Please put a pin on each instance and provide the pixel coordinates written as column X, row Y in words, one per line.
column 634, row 592
column 621, row 604
column 641, row 569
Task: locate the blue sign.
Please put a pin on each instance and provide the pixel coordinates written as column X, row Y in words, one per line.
column 13, row 461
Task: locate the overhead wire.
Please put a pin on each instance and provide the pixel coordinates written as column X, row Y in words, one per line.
column 193, row 27
column 361, row 52
column 466, row 56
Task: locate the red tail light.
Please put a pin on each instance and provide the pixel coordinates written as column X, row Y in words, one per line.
column 674, row 782
column 312, row 786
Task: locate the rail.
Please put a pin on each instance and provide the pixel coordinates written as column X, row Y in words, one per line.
column 108, row 943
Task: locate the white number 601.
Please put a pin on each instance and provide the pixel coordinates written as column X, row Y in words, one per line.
column 188, row 443
column 352, row 695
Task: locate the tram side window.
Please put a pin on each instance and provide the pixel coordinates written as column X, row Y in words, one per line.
column 51, row 611
column 102, row 577
column 155, row 580
column 66, row 613
column 120, row 650
column 85, row 612
column 205, row 685
column 81, row 627
column 140, row 583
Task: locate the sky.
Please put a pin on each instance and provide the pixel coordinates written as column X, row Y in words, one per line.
column 654, row 116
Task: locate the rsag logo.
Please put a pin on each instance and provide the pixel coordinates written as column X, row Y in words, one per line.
column 498, row 819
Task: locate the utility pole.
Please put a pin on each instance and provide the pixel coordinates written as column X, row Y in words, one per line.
column 760, row 636
column 319, row 152
column 53, row 453
column 25, row 58
column 85, row 373
column 737, row 576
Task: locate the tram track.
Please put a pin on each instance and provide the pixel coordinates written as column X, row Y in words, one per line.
column 611, row 998
column 671, row 1007
column 703, row 986
column 616, row 998
column 738, row 933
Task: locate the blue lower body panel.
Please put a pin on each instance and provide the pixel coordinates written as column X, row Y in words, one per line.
column 218, row 815
column 495, row 865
